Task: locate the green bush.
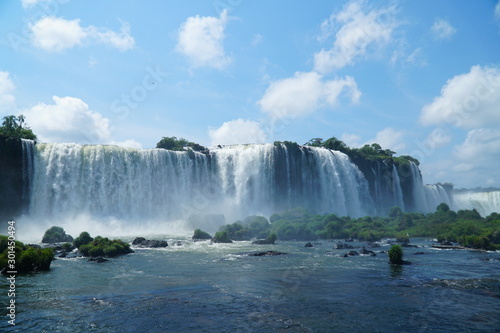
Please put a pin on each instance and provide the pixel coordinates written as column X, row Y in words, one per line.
column 200, row 234
column 221, row 237
column 83, row 239
column 396, row 254
column 104, row 247
column 56, row 235
column 28, row 259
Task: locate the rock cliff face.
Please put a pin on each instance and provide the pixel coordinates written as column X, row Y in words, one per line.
column 13, row 196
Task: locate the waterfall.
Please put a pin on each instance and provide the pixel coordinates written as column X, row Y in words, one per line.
column 67, row 179
column 396, row 188
column 435, row 195
column 109, row 181
column 485, row 203
column 28, row 168
column 418, row 191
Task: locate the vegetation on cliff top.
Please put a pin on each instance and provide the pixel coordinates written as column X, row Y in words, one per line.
column 15, row 127
column 369, row 152
column 172, row 143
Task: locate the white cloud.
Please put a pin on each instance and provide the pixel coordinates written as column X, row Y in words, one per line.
column 468, row 101
column 68, row 120
column 239, row 131
column 128, row 144
column 389, row 138
column 481, row 146
column 31, row 3
column 257, row 39
column 7, row 99
column 437, row 138
column 351, row 140
column 200, row 40
column 359, row 31
column 497, row 11
column 122, row 41
column 442, row 29
column 54, row 34
column 305, row 93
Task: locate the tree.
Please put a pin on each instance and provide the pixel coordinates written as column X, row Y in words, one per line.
column 83, row 239
column 396, row 254
column 335, row 144
column 395, row 211
column 15, row 127
column 172, row 143
column 315, row 142
column 442, row 207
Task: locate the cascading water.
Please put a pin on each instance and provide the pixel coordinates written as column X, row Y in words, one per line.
column 485, row 203
column 436, row 194
column 67, row 180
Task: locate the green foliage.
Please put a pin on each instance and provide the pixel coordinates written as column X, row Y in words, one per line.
column 83, row 239
column 396, row 254
column 172, row 143
column 103, row 247
column 15, row 127
column 272, row 238
column 67, row 247
column 56, row 235
column 369, row 152
column 442, row 207
column 395, row 212
column 200, row 234
column 27, row 258
column 222, row 237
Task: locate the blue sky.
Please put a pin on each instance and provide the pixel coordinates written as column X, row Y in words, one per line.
column 419, row 77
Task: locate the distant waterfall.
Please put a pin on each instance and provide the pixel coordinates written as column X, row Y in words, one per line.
column 484, row 202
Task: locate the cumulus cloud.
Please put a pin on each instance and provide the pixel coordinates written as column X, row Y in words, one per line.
column 437, row 138
column 480, row 145
column 239, row 131
column 127, row 144
column 357, row 30
column 7, row 99
column 389, row 138
column 201, row 41
column 54, row 34
column 468, row 101
column 442, row 29
column 352, row 140
column 305, row 93
column 69, row 119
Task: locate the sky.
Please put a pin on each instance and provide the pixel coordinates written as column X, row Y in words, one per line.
column 419, row 77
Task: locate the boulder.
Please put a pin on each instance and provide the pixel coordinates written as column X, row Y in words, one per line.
column 98, row 259
column 340, row 246
column 143, row 242
column 367, row 252
column 263, row 242
column 266, row 253
column 308, row 245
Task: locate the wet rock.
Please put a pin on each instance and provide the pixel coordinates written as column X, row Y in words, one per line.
column 98, row 259
column 367, row 252
column 308, row 245
column 266, row 253
column 143, row 242
column 340, row 246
